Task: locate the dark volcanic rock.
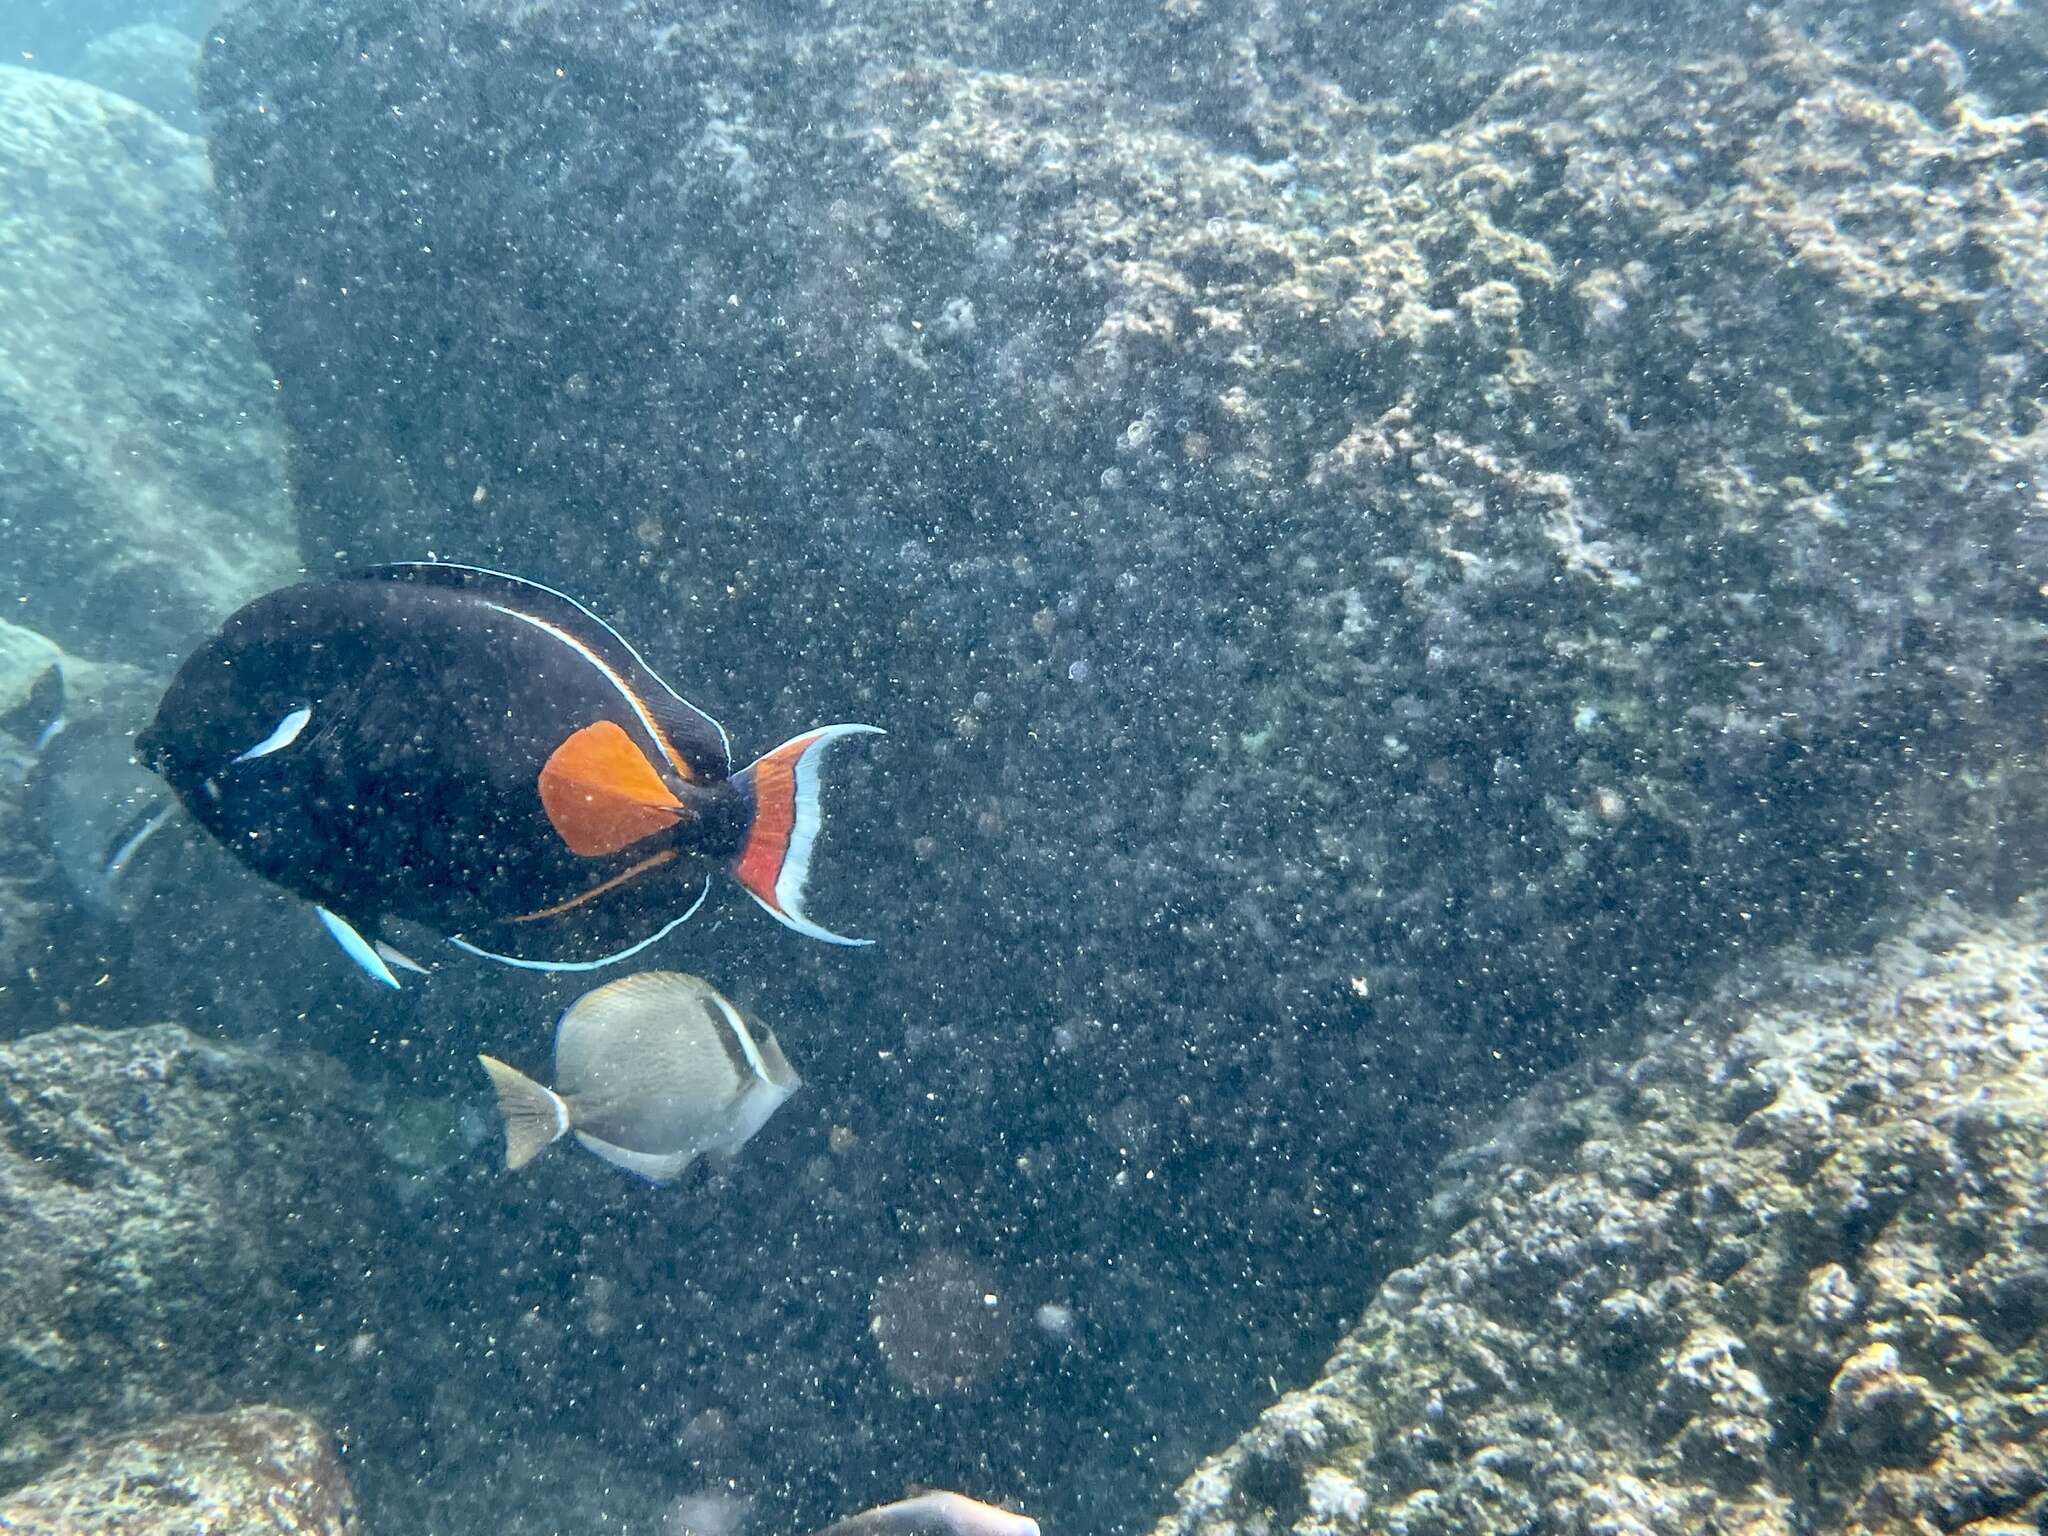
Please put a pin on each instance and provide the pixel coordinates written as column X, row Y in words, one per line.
column 1778, row 1273
column 194, row 1225
column 253, row 1472
column 1356, row 602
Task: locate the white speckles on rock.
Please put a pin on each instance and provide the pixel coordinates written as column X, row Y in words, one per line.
column 1335, row 1501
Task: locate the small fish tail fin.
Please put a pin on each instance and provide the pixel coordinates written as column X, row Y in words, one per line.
column 535, row 1116
column 782, row 790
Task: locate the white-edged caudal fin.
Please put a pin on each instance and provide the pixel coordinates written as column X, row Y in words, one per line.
column 357, row 948
column 286, row 733
column 775, row 864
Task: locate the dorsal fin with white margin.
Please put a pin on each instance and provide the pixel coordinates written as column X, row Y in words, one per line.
column 698, row 740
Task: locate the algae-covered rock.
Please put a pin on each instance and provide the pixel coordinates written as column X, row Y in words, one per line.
column 1780, row 1271
column 253, row 1472
column 144, row 493
column 187, row 1223
column 1357, row 602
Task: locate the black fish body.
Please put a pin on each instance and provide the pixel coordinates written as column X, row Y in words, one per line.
column 477, row 754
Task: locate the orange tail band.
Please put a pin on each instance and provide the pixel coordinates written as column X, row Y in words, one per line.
column 775, row 864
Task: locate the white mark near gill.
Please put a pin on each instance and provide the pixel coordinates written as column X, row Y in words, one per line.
column 286, row 733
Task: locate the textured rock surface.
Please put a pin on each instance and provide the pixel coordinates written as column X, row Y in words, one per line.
column 252, row 1472
column 1783, row 1271
column 1357, row 599
column 188, row 1224
column 195, row 1225
column 143, row 496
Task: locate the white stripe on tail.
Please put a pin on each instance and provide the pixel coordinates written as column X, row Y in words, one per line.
column 775, row 863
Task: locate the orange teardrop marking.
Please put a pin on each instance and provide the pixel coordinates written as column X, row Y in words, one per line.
column 602, row 794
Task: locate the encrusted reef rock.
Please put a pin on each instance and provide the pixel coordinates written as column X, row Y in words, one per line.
column 253, row 1472
column 188, row 1224
column 1357, row 598
column 143, row 496
column 1784, row 1271
column 193, row 1226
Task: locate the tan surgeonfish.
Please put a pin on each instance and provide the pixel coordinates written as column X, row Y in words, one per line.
column 652, row 1072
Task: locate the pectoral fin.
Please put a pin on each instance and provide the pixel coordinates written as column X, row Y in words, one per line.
column 602, row 794
column 357, row 948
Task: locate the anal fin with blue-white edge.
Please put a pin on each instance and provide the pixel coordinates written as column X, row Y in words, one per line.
column 654, row 1167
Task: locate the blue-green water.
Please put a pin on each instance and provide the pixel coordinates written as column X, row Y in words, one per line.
column 1392, row 545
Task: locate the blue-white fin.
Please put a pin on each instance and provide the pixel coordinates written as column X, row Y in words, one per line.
column 655, row 1168
column 586, row 965
column 399, row 958
column 40, row 716
column 286, row 733
column 357, row 948
column 133, row 834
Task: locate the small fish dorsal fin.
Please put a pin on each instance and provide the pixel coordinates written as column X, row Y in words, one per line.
column 696, row 740
column 602, row 794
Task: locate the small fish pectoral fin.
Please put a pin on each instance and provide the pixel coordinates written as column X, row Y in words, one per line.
column 286, row 733
column 131, row 835
column 601, row 793
column 357, row 948
column 399, row 959
column 654, row 1167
